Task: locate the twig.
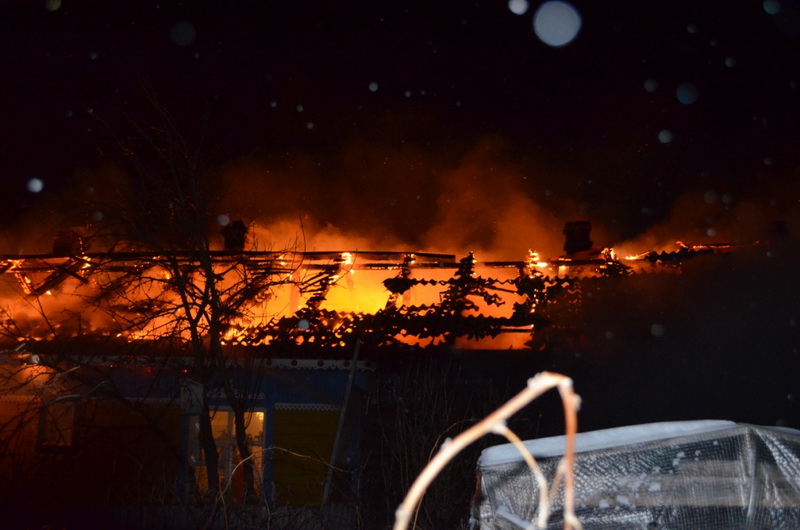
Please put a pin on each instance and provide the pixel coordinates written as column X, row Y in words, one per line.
column 495, row 422
column 541, row 482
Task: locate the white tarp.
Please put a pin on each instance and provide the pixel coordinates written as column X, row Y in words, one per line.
column 695, row 474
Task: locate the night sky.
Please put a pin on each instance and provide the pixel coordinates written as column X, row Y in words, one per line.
column 378, row 113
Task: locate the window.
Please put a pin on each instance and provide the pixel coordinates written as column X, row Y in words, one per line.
column 230, row 472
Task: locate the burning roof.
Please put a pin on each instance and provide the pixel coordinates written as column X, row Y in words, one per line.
column 305, row 300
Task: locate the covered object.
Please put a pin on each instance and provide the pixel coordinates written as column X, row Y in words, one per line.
column 694, row 474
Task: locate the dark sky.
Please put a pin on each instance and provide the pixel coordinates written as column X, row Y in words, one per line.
column 381, row 98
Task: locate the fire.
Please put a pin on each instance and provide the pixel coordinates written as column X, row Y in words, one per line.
column 319, row 297
column 535, row 262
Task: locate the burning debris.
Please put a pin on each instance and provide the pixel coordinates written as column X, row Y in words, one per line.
column 683, row 253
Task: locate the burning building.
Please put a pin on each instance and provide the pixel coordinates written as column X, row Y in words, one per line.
column 229, row 360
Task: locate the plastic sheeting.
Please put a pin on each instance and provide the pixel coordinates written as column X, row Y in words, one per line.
column 698, row 474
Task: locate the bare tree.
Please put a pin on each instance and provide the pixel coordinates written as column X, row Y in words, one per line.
column 156, row 279
column 195, row 292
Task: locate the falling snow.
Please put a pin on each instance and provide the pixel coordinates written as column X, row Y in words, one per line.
column 35, row 185
column 657, row 330
column 518, row 7
column 556, row 23
column 183, row 33
column 687, row 93
column 772, row 7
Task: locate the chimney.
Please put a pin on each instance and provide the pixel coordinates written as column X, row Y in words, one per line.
column 577, row 236
column 68, row 243
column 235, row 235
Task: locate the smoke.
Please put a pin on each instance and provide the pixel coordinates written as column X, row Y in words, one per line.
column 378, row 197
column 365, row 199
column 767, row 211
column 366, row 196
column 370, row 194
column 483, row 206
